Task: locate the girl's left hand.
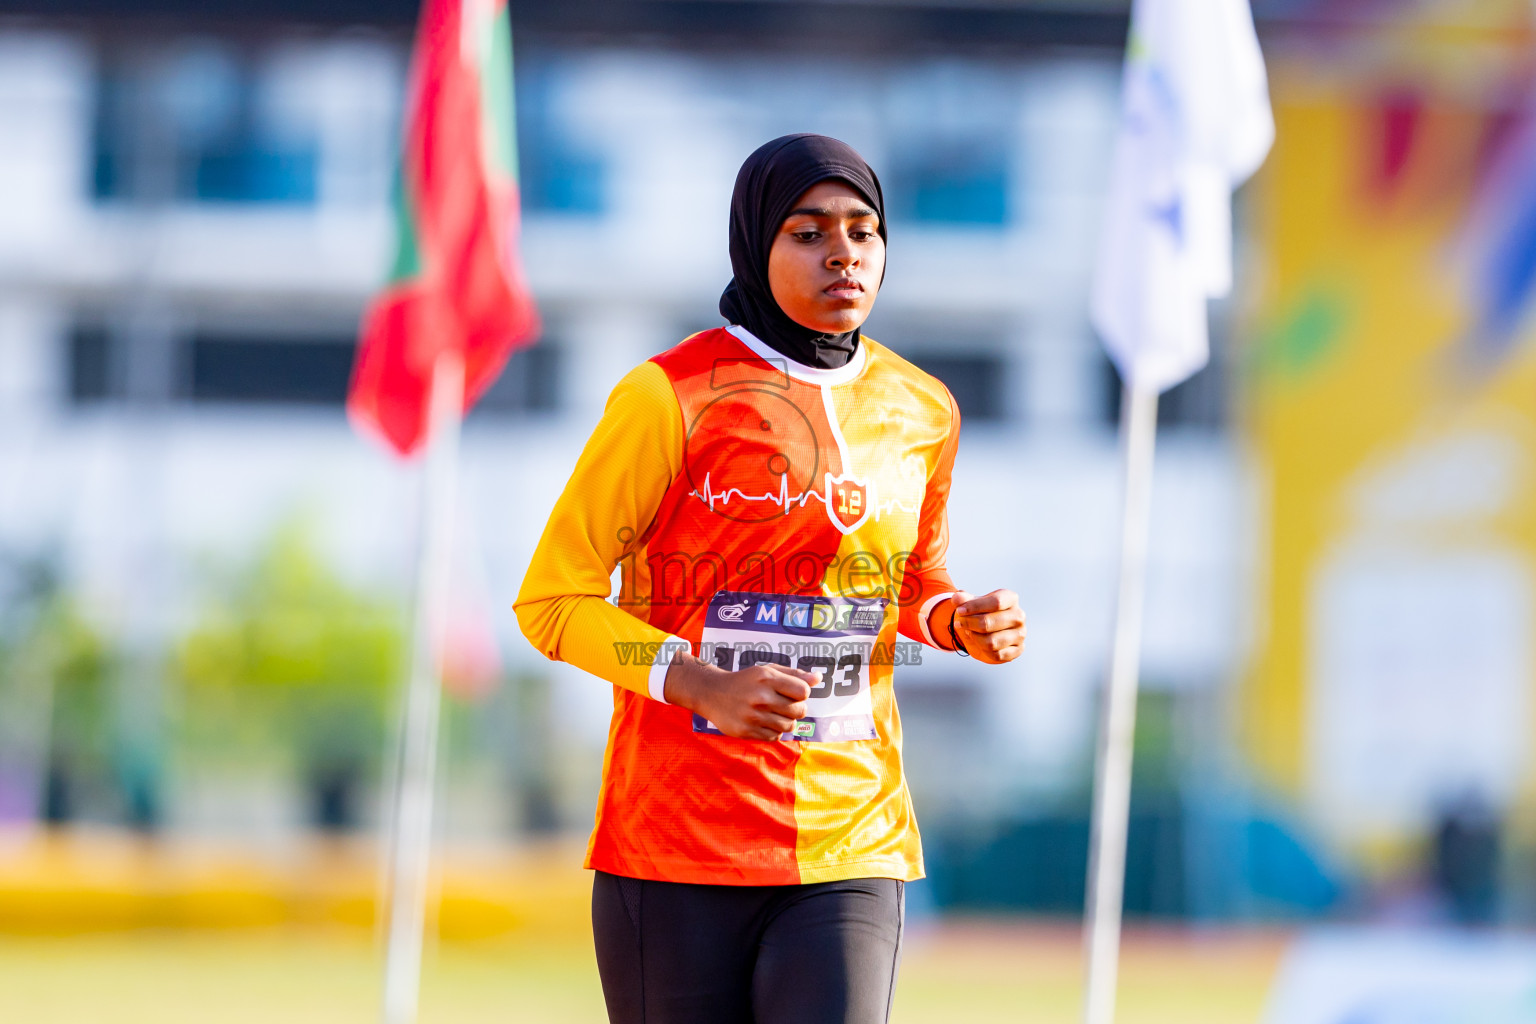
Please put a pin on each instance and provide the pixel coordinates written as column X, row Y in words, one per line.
column 990, row 626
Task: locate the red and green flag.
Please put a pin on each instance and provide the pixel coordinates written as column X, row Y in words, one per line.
column 457, row 278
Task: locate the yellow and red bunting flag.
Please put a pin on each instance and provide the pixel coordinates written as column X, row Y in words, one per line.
column 457, row 278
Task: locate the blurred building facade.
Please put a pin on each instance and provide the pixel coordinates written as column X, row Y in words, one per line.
column 195, row 213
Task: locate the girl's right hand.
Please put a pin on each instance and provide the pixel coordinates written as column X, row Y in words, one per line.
column 761, row 702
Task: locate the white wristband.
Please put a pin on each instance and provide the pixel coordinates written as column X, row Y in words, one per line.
column 927, row 610
column 670, row 648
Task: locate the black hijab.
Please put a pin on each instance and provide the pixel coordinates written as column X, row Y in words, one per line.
column 773, row 177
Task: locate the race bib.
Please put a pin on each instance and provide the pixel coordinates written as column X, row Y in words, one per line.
column 834, row 637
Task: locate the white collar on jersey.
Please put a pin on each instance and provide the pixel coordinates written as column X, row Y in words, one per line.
column 798, row 370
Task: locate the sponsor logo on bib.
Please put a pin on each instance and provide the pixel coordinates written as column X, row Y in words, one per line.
column 866, row 618
column 734, row 612
column 797, row 615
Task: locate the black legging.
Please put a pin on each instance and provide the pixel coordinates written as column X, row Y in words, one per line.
column 678, row 953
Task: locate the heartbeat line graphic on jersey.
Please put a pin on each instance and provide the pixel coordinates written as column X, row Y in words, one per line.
column 847, row 506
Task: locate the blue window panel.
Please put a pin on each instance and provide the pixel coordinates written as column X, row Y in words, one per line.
column 110, row 138
column 556, row 173
column 90, row 365
column 255, row 370
column 199, row 119
column 106, row 175
column 563, row 182
column 256, row 175
column 957, row 196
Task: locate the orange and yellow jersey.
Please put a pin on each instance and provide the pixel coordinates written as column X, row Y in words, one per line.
column 724, row 482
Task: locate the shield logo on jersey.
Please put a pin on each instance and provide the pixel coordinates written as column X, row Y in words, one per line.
column 849, row 500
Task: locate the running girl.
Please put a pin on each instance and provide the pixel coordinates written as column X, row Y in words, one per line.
column 774, row 495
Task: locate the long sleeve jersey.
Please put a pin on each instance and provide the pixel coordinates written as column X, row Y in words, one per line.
column 731, row 486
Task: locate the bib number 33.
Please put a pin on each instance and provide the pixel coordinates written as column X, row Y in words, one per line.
column 832, row 637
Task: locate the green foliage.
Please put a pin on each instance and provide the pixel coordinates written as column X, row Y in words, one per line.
column 57, row 678
column 1155, row 761
column 83, row 665
column 286, row 657
column 49, row 647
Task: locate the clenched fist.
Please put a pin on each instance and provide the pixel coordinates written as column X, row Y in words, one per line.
column 990, row 627
column 761, row 702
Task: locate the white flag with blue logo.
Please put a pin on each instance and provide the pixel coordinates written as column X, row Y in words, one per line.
column 1195, row 124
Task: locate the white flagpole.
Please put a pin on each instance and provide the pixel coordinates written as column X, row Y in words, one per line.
column 1112, row 776
column 410, row 833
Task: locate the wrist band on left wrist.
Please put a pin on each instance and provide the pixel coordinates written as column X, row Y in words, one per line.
column 954, row 638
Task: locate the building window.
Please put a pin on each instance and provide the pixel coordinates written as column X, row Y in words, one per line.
column 1199, row 402
column 210, row 367
column 952, row 146
column 246, row 369
column 557, row 173
column 952, row 183
column 975, row 379
column 203, row 121
column 529, row 383
column 90, row 365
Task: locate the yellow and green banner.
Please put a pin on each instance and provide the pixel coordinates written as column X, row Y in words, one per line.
column 1390, row 401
